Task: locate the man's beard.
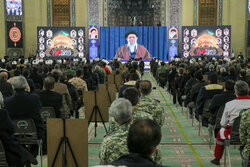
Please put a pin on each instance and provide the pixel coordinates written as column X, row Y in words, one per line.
column 132, row 46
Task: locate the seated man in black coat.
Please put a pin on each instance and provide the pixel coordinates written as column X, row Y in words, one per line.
column 24, row 105
column 5, row 87
column 221, row 100
column 16, row 154
column 50, row 98
column 144, row 136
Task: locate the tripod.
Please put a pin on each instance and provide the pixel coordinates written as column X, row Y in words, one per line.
column 96, row 111
column 64, row 142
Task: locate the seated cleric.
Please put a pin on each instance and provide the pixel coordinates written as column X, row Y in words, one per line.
column 132, row 50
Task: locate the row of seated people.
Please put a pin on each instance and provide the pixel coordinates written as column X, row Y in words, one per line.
column 22, row 103
column 206, row 98
column 134, row 104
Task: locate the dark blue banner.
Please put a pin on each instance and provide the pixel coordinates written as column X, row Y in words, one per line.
column 93, row 42
column 173, row 32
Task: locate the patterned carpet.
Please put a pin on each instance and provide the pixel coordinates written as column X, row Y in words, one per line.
column 181, row 144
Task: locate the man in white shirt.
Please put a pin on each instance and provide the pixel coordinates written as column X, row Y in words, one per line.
column 231, row 112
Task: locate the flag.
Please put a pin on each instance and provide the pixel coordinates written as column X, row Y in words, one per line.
column 233, row 53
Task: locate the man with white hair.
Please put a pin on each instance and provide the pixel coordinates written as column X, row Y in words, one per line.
column 231, row 112
column 132, row 50
column 114, row 145
column 24, row 105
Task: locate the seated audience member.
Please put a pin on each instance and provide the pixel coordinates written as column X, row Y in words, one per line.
column 242, row 75
column 114, row 145
column 132, row 95
column 23, row 105
column 192, row 97
column 205, row 93
column 144, row 136
column 5, row 87
column 150, row 105
column 37, row 78
column 103, row 66
column 211, row 69
column 26, row 74
column 16, row 154
column 220, row 100
column 18, row 73
column 244, row 137
column 1, row 101
column 231, row 74
column 50, row 98
column 78, row 82
column 231, row 111
column 63, row 90
column 133, row 77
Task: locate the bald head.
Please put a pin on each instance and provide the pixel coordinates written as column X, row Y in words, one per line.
column 145, row 87
column 4, row 75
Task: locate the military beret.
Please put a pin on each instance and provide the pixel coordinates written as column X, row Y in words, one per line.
column 131, row 31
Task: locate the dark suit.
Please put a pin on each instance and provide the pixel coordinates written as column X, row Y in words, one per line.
column 15, row 153
column 25, row 105
column 133, row 159
column 51, row 99
column 6, row 88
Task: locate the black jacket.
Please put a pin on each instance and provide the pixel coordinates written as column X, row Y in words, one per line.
column 51, row 99
column 6, row 88
column 15, row 153
column 23, row 105
column 135, row 160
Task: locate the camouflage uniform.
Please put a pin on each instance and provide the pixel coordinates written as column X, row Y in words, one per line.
column 161, row 69
column 79, row 83
column 139, row 113
column 245, row 134
column 114, row 145
column 152, row 107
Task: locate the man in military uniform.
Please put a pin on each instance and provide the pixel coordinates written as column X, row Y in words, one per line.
column 244, row 137
column 161, row 74
column 114, row 144
column 138, row 113
column 150, row 105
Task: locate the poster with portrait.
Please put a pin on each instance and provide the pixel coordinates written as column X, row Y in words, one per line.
column 61, row 42
column 14, row 34
column 173, row 32
column 93, row 42
column 14, row 7
column 212, row 41
column 138, row 42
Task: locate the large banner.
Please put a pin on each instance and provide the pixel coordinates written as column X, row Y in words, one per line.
column 214, row 41
column 61, row 42
column 173, row 32
column 133, row 42
column 93, row 42
column 14, row 34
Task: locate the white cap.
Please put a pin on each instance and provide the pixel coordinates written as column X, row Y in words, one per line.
column 3, row 60
column 26, row 61
column 59, row 61
column 35, row 62
column 14, row 63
